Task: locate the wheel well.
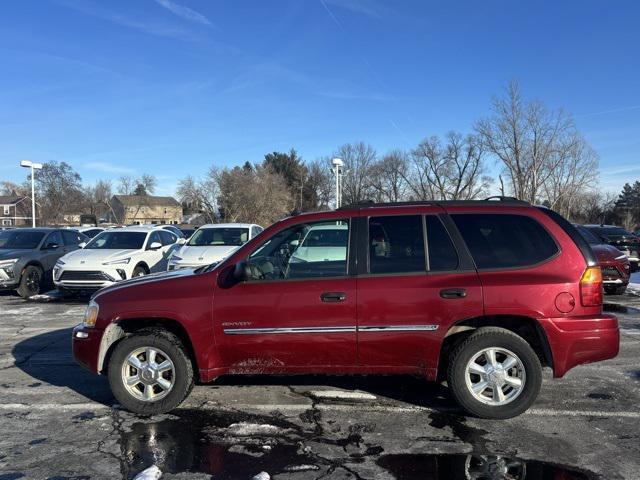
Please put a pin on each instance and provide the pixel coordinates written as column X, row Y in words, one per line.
column 118, row 330
column 32, row 263
column 527, row 328
column 143, row 264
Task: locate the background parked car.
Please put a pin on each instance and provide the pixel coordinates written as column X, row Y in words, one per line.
column 89, row 231
column 613, row 263
column 212, row 243
column 620, row 238
column 115, row 255
column 28, row 255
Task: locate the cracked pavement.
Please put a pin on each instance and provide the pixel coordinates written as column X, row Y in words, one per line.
column 59, row 421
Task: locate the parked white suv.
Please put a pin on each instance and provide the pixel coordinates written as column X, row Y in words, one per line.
column 212, row 243
column 115, row 255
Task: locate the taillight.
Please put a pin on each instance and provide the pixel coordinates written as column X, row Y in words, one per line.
column 591, row 287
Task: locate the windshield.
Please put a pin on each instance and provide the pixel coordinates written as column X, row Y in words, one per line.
column 211, row 237
column 118, row 241
column 613, row 231
column 587, row 235
column 20, row 239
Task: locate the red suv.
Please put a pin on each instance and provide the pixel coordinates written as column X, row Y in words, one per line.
column 480, row 293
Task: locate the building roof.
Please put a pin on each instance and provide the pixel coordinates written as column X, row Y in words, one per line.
column 147, row 201
column 10, row 199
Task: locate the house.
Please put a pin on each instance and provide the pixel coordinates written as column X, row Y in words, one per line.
column 15, row 211
column 141, row 209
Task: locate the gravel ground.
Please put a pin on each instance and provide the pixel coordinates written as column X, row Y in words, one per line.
column 58, row 421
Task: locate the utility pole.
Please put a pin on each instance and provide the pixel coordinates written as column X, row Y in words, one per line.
column 32, row 166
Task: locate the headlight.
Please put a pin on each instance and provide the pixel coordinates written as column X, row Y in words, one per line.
column 59, row 262
column 8, row 263
column 122, row 261
column 90, row 314
column 175, row 258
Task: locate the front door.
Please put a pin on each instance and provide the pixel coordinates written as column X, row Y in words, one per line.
column 297, row 308
column 410, row 291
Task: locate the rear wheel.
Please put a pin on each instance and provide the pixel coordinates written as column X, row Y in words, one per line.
column 150, row 372
column 494, row 373
column 30, row 281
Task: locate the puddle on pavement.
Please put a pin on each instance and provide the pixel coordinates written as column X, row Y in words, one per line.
column 229, row 445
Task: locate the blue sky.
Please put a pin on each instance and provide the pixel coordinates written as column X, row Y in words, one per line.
column 171, row 87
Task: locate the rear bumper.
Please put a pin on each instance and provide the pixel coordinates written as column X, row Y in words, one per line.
column 86, row 346
column 578, row 340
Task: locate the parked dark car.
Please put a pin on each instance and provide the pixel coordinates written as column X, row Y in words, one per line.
column 613, row 263
column 27, row 256
column 620, row 238
column 482, row 293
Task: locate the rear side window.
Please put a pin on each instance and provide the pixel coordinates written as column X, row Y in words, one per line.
column 505, row 241
column 442, row 254
column 396, row 244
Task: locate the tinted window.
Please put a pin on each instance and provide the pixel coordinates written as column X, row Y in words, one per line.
column 72, row 238
column 504, row 241
column 442, row 253
column 297, row 252
column 153, row 238
column 20, row 239
column 54, row 238
column 167, row 238
column 92, row 233
column 117, row 240
column 255, row 231
column 587, row 235
column 396, row 244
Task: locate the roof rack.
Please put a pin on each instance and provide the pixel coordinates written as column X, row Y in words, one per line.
column 494, row 199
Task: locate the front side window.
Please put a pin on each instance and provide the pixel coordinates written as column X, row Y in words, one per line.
column 219, row 236
column 307, row 250
column 168, row 238
column 54, row 238
column 72, row 238
column 117, row 241
column 396, row 244
column 505, row 240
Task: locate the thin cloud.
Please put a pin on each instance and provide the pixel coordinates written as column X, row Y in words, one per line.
column 356, row 6
column 330, row 13
column 184, row 12
column 606, row 112
column 107, row 167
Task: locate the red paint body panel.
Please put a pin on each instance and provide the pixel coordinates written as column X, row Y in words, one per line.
column 204, row 307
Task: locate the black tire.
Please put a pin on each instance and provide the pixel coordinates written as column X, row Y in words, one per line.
column 30, row 281
column 618, row 290
column 481, row 339
column 174, row 349
column 139, row 271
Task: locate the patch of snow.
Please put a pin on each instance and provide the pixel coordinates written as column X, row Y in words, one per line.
column 343, row 394
column 301, row 468
column 151, row 473
column 261, row 476
column 246, row 429
column 634, row 288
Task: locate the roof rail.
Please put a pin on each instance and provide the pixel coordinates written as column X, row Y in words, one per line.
column 494, row 199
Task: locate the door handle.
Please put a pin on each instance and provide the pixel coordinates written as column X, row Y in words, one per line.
column 333, row 297
column 453, row 293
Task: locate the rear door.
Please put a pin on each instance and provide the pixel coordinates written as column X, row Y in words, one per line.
column 414, row 282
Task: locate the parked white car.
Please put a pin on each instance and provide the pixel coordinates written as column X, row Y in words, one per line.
column 211, row 244
column 115, row 255
column 322, row 243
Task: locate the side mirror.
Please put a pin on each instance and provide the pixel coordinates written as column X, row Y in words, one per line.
column 294, row 243
column 155, row 246
column 241, row 271
column 51, row 246
column 181, row 241
column 82, row 245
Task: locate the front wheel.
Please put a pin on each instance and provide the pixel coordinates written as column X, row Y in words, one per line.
column 150, row 372
column 30, row 281
column 494, row 373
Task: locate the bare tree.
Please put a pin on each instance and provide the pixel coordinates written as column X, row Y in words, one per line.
column 528, row 139
column 256, row 195
column 148, row 182
column 453, row 171
column 320, row 180
column 388, row 177
column 10, row 188
column 126, row 185
column 358, row 159
column 202, row 194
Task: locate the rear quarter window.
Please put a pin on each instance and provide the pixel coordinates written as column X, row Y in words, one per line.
column 505, row 240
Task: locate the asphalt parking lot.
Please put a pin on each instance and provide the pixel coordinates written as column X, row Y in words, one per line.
column 60, row 422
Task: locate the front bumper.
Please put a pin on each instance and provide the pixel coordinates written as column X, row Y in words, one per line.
column 7, row 280
column 85, row 343
column 578, row 340
column 79, row 279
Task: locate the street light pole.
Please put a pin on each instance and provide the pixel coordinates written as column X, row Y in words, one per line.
column 337, row 170
column 32, row 166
